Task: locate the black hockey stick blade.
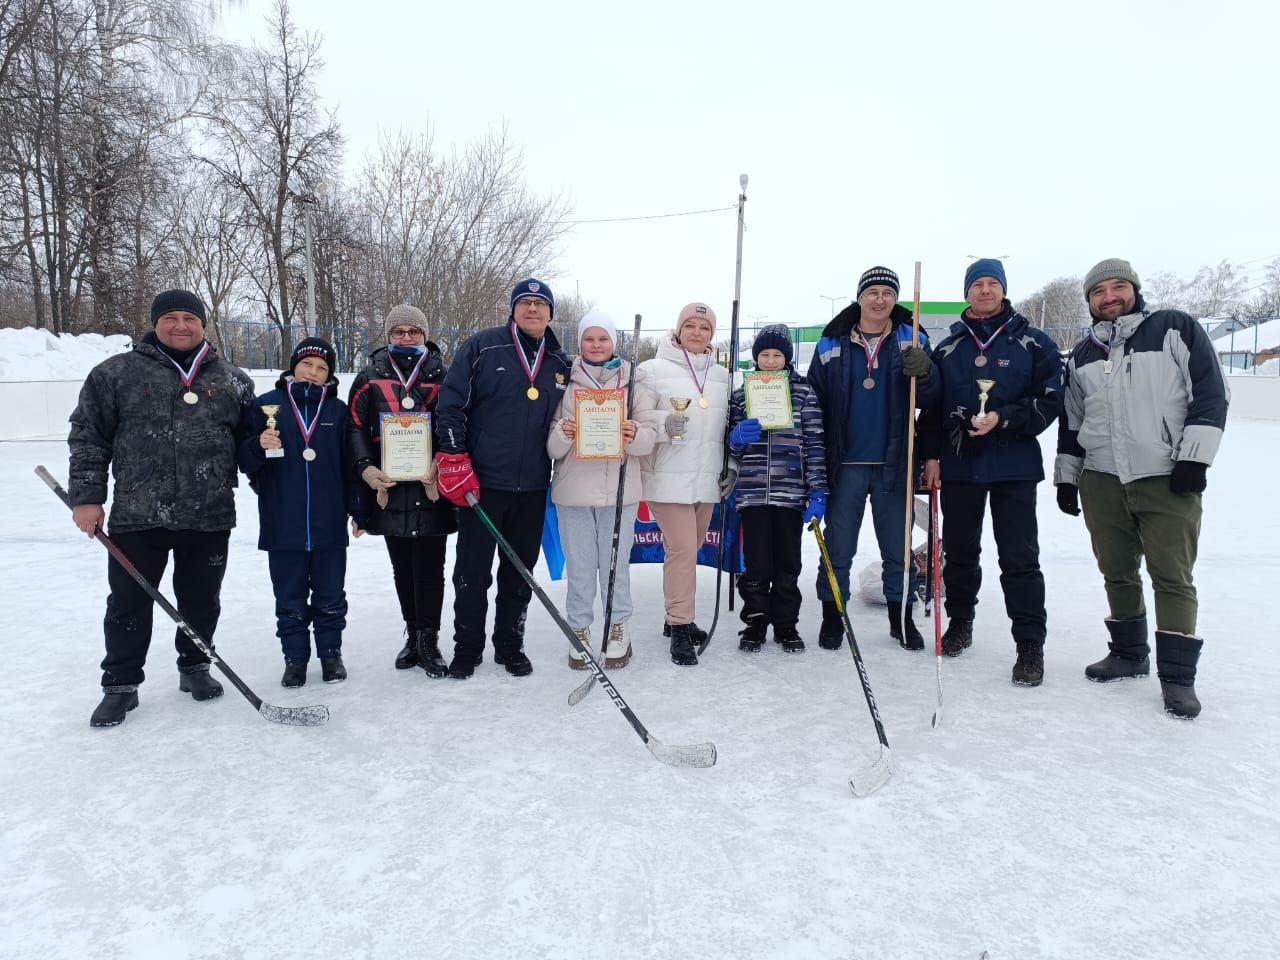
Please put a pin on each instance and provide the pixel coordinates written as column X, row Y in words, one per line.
column 293, row 716
column 875, row 775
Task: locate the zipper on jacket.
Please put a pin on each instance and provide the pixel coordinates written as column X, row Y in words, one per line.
column 306, row 464
column 768, row 467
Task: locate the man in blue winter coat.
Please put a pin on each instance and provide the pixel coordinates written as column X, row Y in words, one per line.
column 1000, row 382
column 497, row 403
column 861, row 372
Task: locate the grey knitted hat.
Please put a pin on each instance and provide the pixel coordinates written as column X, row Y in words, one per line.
column 1113, row 269
column 404, row 315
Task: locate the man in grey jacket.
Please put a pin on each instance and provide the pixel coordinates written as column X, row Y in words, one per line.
column 165, row 418
column 1146, row 404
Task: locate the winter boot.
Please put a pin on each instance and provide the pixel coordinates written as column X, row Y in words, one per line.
column 695, row 631
column 295, row 673
column 463, row 666
column 332, row 670
column 913, row 639
column 831, row 633
column 751, row 637
column 198, row 683
column 427, row 652
column 116, row 702
column 408, row 655
column 788, row 638
column 1129, row 653
column 617, row 652
column 1028, row 671
column 1176, row 658
column 683, row 652
column 958, row 637
column 578, row 661
column 516, row 662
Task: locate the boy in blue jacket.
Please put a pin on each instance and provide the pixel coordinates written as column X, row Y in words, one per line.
column 782, row 483
column 302, row 476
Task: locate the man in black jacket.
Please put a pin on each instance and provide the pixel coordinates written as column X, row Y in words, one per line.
column 166, row 418
column 501, row 393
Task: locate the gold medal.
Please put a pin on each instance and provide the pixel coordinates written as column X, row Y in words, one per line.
column 308, row 454
column 532, row 393
column 980, row 360
column 702, row 402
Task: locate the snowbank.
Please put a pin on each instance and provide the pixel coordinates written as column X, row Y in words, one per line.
column 29, row 354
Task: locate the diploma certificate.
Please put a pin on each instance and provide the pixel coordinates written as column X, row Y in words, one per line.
column 768, row 396
column 598, row 416
column 406, row 445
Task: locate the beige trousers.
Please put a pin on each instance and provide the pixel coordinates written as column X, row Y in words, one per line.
column 684, row 526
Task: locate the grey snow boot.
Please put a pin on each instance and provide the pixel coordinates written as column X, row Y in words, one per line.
column 1129, row 653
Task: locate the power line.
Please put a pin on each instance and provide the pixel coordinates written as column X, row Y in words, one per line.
column 652, row 216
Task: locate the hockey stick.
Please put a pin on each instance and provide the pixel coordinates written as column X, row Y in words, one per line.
column 294, row 716
column 911, row 474
column 733, row 368
column 697, row 755
column 870, row 779
column 935, row 573
column 584, row 688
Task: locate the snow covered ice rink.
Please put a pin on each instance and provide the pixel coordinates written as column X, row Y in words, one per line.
column 487, row 819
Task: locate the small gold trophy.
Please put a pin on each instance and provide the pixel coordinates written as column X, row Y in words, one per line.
column 984, row 388
column 271, row 409
column 680, row 405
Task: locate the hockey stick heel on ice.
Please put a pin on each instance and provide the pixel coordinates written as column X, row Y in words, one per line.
column 291, row 716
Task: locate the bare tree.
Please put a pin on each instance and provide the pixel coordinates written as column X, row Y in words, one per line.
column 1059, row 309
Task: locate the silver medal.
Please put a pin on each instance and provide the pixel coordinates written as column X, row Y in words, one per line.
column 308, row 454
column 190, row 397
column 407, row 403
column 980, row 360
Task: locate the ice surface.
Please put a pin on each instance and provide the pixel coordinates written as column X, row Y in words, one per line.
column 487, row 819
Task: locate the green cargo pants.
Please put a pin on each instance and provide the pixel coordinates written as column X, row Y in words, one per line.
column 1144, row 518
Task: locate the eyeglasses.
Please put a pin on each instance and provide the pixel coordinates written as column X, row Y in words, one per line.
column 532, row 302
column 407, row 333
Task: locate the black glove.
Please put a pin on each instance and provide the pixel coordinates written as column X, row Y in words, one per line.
column 962, row 445
column 1069, row 499
column 916, row 363
column 1188, row 477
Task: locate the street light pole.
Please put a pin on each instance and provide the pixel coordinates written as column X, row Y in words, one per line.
column 833, row 301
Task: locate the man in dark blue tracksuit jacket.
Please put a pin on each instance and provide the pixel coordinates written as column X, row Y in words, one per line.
column 502, row 391
column 995, row 456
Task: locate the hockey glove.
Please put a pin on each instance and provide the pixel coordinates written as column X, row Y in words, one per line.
column 1069, row 499
column 747, row 431
column 1188, row 477
column 456, row 478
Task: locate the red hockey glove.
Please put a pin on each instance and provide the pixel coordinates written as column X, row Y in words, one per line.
column 456, row 477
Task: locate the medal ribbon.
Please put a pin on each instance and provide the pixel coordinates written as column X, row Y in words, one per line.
column 189, row 376
column 413, row 375
column 529, row 371
column 983, row 344
column 871, row 354
column 705, row 373
column 307, row 431
column 1104, row 345
column 599, row 385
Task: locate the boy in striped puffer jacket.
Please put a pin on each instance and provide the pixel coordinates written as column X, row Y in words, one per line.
column 782, row 484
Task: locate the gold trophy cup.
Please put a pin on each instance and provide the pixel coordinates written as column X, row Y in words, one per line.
column 680, row 405
column 984, row 389
column 271, row 409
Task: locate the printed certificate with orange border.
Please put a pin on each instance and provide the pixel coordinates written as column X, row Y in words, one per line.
column 406, row 445
column 598, row 416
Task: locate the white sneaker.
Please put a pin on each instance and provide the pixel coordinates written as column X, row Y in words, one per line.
column 578, row 661
column 617, row 652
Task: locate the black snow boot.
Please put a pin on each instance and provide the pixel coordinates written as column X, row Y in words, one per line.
column 516, row 662
column 199, row 684
column 683, row 652
column 695, row 631
column 958, row 637
column 1028, row 671
column 913, row 639
column 831, row 633
column 333, row 670
column 788, row 638
column 428, row 652
column 751, row 637
column 295, row 673
column 116, row 702
column 463, row 666
column 1129, row 656
column 1176, row 658
column 408, row 655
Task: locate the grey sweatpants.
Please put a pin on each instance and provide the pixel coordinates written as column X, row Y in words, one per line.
column 586, row 534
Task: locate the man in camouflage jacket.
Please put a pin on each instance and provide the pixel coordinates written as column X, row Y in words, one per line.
column 166, row 418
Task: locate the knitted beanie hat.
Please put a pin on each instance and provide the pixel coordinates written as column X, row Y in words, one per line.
column 775, row 336
column 314, row 347
column 695, row 311
column 404, row 315
column 532, row 288
column 1113, row 269
column 598, row 318
column 986, row 267
column 878, row 276
column 171, row 300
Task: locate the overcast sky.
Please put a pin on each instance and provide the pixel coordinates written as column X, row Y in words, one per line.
column 872, row 133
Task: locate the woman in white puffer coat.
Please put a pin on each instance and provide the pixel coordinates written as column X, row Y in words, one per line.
column 682, row 477
column 585, row 493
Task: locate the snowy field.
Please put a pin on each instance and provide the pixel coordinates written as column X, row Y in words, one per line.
column 487, row 819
